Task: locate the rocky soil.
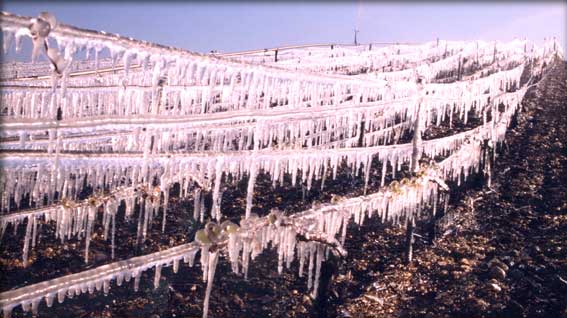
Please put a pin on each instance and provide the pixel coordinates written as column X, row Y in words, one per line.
column 505, row 254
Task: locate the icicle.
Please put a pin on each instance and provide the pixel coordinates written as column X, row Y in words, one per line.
column 196, row 203
column 311, row 264
column 113, row 235
column 137, row 282
column 215, row 212
column 27, row 240
column 157, row 276
column 49, row 298
column 34, row 232
column 212, row 265
column 319, row 261
column 119, row 279
column 7, row 311
column 165, row 206
column 205, row 261
column 250, row 191
column 90, row 221
column 106, row 287
column 175, row 265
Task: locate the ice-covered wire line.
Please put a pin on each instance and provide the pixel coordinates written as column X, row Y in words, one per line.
column 214, row 86
column 170, row 61
column 254, row 236
column 76, row 218
column 439, row 98
column 41, row 170
column 29, row 297
column 248, row 166
column 247, row 130
column 387, row 63
column 455, row 64
column 86, row 99
column 308, row 56
column 301, row 48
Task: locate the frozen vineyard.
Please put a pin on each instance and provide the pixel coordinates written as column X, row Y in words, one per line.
column 131, row 119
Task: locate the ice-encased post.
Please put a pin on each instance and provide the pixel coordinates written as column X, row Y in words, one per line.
column 418, row 127
column 487, row 160
column 460, row 68
column 409, row 240
column 361, row 128
column 250, row 190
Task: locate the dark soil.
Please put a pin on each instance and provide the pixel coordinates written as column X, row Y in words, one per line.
column 521, row 221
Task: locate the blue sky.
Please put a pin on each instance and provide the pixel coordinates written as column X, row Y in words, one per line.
column 236, row 26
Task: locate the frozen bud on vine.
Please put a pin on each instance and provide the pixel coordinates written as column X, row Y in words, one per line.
column 209, row 234
column 316, row 205
column 395, row 187
column 213, row 230
column 67, row 204
column 423, row 167
column 274, row 216
column 335, row 198
column 414, row 183
column 202, row 238
column 39, row 30
column 156, row 193
column 93, row 201
column 229, row 227
column 49, row 18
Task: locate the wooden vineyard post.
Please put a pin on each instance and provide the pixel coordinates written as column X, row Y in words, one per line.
column 360, row 142
column 418, row 127
column 416, row 142
column 487, row 158
column 477, row 61
column 526, row 47
column 436, row 216
column 409, row 240
column 460, row 69
column 329, row 269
